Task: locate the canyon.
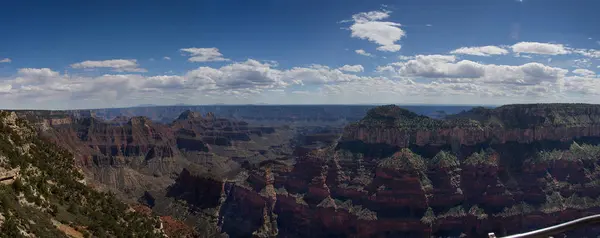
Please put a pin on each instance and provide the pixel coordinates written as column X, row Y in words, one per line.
column 390, row 173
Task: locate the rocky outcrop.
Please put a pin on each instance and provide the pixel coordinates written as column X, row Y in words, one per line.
column 9, row 176
column 201, row 190
column 139, row 137
column 176, row 228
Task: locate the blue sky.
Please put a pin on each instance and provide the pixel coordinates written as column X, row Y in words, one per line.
column 79, row 54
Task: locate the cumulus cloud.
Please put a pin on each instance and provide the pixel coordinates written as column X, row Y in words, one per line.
column 527, row 74
column 584, row 72
column 390, row 48
column 33, row 72
column 238, row 80
column 204, row 54
column 404, row 57
column 588, row 52
column 33, row 76
column 437, row 66
column 167, row 58
column 5, row 88
column 415, row 79
column 480, row 51
column 251, row 74
column 117, row 65
column 5, row 60
column 352, row 68
column 446, row 68
column 319, row 74
column 368, row 26
column 363, row 52
column 584, row 85
column 164, row 81
column 540, row 48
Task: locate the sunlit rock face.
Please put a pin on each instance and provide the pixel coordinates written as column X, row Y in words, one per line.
column 397, row 174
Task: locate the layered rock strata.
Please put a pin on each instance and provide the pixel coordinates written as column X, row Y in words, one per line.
column 397, row 174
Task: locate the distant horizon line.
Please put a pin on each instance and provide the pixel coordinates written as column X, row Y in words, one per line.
column 266, row 105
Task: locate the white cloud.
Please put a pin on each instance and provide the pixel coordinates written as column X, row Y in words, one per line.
column 371, row 16
column 416, row 79
column 363, row 52
column 167, row 58
column 438, row 66
column 251, row 74
column 446, row 68
column 204, row 54
column 352, row 68
column 540, row 48
column 584, row 72
column 367, row 26
column 117, row 65
column 5, row 88
column 165, row 81
column 581, row 63
column 33, row 76
column 390, row 48
column 582, row 85
column 588, row 52
column 403, row 57
column 43, row 72
column 235, row 81
column 386, row 69
column 480, row 51
column 526, row 74
column 5, row 60
column 319, row 74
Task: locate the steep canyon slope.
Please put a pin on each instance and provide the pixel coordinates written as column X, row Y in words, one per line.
column 42, row 193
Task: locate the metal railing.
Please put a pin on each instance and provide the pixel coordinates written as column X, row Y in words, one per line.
column 556, row 229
